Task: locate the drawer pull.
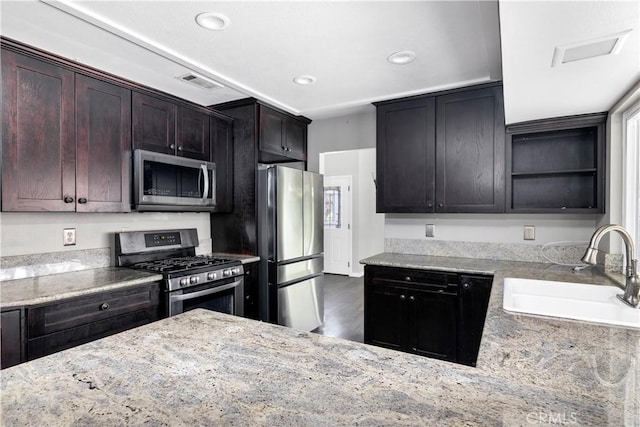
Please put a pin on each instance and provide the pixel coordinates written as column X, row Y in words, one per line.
column 408, row 279
column 402, row 297
column 412, row 298
column 104, row 306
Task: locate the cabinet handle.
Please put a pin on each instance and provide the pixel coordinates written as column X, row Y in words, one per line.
column 104, row 306
column 429, row 205
column 248, row 297
column 466, row 285
column 440, row 205
column 402, row 297
column 407, row 279
column 82, row 200
column 172, row 146
column 179, row 147
column 412, row 298
column 68, row 199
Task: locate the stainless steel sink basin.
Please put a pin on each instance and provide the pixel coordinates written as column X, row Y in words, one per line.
column 578, row 301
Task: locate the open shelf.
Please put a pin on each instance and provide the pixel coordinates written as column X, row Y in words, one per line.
column 556, row 165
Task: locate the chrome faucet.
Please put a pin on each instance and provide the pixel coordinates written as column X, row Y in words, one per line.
column 632, row 286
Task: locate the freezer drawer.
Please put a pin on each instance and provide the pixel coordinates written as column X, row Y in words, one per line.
column 299, row 270
column 301, row 305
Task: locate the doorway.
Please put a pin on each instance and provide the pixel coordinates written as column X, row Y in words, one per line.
column 337, row 224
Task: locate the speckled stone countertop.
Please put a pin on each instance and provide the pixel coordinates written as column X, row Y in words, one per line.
column 204, row 368
column 53, row 287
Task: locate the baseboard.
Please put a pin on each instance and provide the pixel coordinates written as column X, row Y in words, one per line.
column 356, row 274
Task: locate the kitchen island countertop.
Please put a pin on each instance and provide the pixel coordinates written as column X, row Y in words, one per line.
column 209, row 368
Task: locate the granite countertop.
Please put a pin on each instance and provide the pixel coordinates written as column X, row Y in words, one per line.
column 54, row 287
column 206, row 368
column 43, row 289
column 209, row 368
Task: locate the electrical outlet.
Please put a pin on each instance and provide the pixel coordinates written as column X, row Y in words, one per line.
column 430, row 230
column 69, row 236
column 529, row 232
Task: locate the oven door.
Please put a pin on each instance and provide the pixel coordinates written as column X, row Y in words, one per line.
column 224, row 296
column 165, row 182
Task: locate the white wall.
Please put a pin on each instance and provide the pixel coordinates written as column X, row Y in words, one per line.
column 367, row 226
column 349, row 132
column 31, row 233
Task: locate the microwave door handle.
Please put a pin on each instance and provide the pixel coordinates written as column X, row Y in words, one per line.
column 205, row 193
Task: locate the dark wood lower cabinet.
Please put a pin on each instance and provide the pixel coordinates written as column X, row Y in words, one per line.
column 71, row 322
column 251, row 290
column 11, row 338
column 434, row 314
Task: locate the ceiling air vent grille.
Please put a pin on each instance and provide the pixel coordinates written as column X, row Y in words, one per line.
column 607, row 45
column 200, row 81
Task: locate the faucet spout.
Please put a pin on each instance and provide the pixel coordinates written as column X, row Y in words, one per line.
column 632, row 287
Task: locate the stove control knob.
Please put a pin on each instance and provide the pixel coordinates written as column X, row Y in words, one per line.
column 236, row 270
column 211, row 276
column 184, row 282
column 226, row 273
column 194, row 279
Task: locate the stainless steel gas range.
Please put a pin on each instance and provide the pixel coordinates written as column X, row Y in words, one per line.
column 190, row 281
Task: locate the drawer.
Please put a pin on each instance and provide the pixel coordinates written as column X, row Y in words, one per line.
column 412, row 278
column 74, row 312
column 62, row 340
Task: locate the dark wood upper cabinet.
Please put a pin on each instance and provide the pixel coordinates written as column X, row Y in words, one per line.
column 103, row 114
column 557, row 165
column 222, row 156
column 405, row 156
column 192, row 134
column 66, row 139
column 154, row 124
column 282, row 137
column 470, row 145
column 165, row 127
column 442, row 152
column 38, row 135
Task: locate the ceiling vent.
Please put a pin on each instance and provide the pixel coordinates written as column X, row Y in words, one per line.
column 200, row 81
column 607, row 45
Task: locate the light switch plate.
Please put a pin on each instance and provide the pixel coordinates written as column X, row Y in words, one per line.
column 430, row 230
column 529, row 232
column 69, row 236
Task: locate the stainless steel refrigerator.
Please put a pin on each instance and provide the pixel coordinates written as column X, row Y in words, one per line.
column 290, row 246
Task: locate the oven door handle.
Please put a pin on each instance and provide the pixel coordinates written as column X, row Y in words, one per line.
column 204, row 292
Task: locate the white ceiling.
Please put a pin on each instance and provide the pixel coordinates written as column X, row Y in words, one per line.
column 345, row 46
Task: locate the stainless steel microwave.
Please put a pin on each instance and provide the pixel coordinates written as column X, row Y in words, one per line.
column 162, row 182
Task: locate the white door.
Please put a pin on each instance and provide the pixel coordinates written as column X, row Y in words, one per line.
column 337, row 224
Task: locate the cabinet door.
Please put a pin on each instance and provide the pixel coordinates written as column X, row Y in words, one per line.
column 251, row 290
column 433, row 324
column 470, row 148
column 474, row 300
column 385, row 316
column 38, row 135
column 222, row 156
column 193, row 134
column 154, row 124
column 103, row 132
column 271, row 131
column 296, row 139
column 11, row 340
column 406, row 156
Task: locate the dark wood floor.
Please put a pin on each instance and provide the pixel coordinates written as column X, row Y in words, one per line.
column 343, row 307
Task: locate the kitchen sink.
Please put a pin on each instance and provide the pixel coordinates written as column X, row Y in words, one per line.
column 579, row 301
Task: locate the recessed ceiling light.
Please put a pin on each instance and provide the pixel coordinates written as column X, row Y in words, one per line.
column 213, row 21
column 402, row 58
column 304, row 80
